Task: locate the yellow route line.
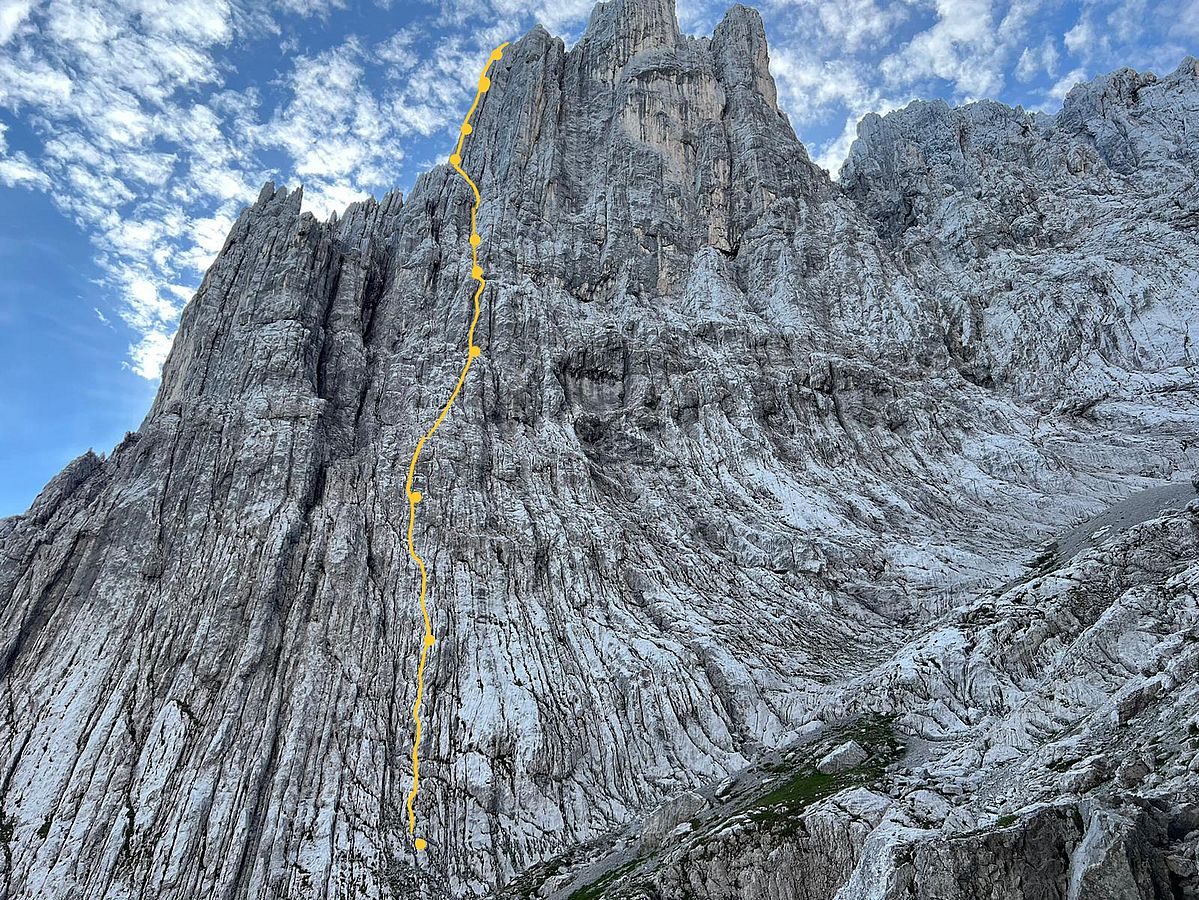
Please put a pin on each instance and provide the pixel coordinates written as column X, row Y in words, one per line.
column 414, row 497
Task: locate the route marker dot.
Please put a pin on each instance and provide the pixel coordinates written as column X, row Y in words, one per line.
column 414, row 497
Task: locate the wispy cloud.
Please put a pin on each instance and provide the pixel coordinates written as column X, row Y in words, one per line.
column 1039, row 60
column 100, row 84
column 138, row 122
column 959, row 48
column 149, row 123
column 13, row 14
column 342, row 140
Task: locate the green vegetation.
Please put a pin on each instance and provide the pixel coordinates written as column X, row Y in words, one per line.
column 535, row 878
column 595, row 890
column 794, row 795
column 1006, row 819
column 786, row 801
column 795, row 786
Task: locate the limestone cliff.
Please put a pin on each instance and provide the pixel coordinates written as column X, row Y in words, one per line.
column 752, row 459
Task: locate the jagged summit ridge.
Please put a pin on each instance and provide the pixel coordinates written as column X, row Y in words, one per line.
column 620, row 29
column 1008, row 192
column 748, row 453
column 698, row 118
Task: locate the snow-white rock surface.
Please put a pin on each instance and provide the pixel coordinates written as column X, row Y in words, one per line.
column 749, row 455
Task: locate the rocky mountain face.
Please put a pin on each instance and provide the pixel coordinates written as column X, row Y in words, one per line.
column 728, row 536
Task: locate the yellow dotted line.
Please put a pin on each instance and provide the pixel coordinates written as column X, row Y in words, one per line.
column 414, row 497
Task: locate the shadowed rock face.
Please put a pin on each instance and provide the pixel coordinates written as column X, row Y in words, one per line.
column 740, row 441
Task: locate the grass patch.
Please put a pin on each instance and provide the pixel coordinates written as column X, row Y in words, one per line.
column 800, row 791
column 1005, row 820
column 795, row 785
column 529, row 883
column 596, row 889
column 786, row 801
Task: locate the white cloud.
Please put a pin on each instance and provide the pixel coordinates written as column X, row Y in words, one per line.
column 845, row 59
column 1127, row 20
column 1036, row 61
column 1186, row 21
column 1028, row 66
column 1049, row 57
column 208, row 236
column 319, row 8
column 343, row 142
column 105, row 85
column 203, row 23
column 18, row 171
column 323, row 198
column 808, row 87
column 698, row 16
column 811, row 90
column 152, row 141
column 331, row 123
column 1059, row 90
column 856, row 23
column 1083, row 41
column 959, row 48
column 13, row 14
column 150, row 352
column 561, row 17
column 564, row 16
column 430, row 100
column 834, row 153
column 399, row 52
column 26, row 80
column 147, row 309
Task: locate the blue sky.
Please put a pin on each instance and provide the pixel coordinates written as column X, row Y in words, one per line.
column 132, row 132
